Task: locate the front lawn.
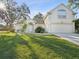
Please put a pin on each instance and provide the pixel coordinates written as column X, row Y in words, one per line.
column 32, row 46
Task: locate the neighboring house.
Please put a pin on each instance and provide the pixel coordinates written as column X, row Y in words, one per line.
column 30, row 25
column 57, row 20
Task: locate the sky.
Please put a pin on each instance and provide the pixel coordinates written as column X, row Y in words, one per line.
column 42, row 6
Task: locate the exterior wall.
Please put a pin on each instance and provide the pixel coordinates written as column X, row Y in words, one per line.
column 30, row 26
column 30, row 29
column 39, row 25
column 17, row 27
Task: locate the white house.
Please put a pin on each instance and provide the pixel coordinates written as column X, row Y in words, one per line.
column 60, row 20
column 57, row 20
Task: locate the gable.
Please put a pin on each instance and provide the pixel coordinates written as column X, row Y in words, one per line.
column 53, row 15
column 55, row 10
column 61, row 6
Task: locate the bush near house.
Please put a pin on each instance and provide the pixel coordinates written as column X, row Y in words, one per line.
column 76, row 25
column 39, row 30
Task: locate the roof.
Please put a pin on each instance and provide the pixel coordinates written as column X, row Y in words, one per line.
column 49, row 12
column 59, row 6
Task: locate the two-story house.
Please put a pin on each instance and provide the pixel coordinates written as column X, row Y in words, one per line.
column 60, row 20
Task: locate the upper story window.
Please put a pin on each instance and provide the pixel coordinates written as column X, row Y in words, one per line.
column 62, row 13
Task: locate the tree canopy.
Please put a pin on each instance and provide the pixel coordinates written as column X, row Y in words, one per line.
column 74, row 5
column 13, row 12
column 38, row 18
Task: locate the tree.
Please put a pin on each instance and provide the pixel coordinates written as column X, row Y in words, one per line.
column 38, row 18
column 74, row 5
column 76, row 25
column 24, row 12
column 9, row 15
column 13, row 12
column 24, row 26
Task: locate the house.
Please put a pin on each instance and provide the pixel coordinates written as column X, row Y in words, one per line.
column 60, row 20
column 57, row 20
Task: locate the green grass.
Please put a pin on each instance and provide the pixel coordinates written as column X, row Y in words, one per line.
column 29, row 46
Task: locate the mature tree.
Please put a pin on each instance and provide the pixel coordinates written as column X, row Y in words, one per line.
column 38, row 18
column 76, row 25
column 9, row 15
column 74, row 5
column 24, row 12
column 13, row 12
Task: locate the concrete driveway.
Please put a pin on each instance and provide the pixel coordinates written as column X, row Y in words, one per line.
column 74, row 38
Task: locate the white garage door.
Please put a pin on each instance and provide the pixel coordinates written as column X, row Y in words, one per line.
column 62, row 28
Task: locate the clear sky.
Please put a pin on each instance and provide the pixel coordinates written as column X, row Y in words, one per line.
column 42, row 6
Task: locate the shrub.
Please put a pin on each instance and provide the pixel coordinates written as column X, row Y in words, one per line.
column 76, row 25
column 39, row 30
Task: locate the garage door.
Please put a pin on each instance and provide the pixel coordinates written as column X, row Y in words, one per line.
column 62, row 28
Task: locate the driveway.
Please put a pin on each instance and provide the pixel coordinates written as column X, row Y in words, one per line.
column 74, row 38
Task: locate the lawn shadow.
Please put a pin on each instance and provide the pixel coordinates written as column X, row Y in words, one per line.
column 62, row 49
column 8, row 46
column 27, row 43
column 33, row 55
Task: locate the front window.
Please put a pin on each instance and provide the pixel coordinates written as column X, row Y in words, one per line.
column 62, row 13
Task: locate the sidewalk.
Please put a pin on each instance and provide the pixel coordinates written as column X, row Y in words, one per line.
column 74, row 38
